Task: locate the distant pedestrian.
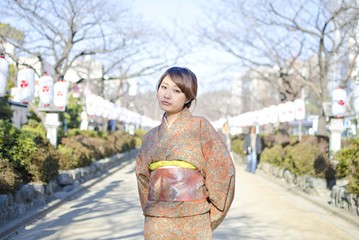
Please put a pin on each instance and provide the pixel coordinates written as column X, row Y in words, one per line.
column 184, row 171
column 225, row 135
column 252, row 147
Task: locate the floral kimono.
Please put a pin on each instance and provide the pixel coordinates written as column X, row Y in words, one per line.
column 189, row 141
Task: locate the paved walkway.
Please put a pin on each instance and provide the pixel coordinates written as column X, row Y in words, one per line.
column 261, row 210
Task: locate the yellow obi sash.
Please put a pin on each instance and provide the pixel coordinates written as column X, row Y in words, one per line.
column 173, row 163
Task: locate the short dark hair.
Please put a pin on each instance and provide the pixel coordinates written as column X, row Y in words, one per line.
column 185, row 79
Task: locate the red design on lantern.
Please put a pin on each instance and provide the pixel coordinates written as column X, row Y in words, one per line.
column 341, row 102
column 59, row 94
column 45, row 89
column 24, row 84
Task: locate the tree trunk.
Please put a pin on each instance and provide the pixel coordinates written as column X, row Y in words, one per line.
column 322, row 126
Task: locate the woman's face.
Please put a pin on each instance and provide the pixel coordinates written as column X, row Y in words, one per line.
column 170, row 97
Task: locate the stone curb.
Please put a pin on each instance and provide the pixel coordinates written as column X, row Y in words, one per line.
column 346, row 216
column 12, row 227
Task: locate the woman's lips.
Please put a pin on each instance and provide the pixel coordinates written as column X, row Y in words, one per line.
column 165, row 103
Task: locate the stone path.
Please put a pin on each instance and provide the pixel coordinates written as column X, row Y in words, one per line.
column 261, row 210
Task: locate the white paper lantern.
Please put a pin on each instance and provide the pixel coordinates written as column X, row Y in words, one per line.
column 26, row 85
column 91, row 104
column 238, row 121
column 290, row 109
column 273, row 117
column 249, row 118
column 123, row 114
column 265, row 116
column 282, row 112
column 299, row 109
column 60, row 95
column 116, row 112
column 339, row 98
column 256, row 118
column 99, row 106
column 4, row 74
column 46, row 90
column 107, row 105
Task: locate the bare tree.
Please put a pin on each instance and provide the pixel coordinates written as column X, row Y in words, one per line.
column 307, row 42
column 65, row 32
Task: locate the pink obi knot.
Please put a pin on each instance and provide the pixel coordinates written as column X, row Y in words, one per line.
column 176, row 184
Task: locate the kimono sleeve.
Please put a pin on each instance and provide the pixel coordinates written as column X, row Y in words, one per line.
column 143, row 175
column 219, row 173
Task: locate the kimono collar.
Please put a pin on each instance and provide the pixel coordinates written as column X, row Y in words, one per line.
column 182, row 118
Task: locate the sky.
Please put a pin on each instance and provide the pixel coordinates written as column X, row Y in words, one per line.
column 162, row 11
column 205, row 65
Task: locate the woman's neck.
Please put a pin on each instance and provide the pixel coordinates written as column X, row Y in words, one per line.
column 171, row 118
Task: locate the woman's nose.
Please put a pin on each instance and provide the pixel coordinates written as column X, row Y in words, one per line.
column 167, row 95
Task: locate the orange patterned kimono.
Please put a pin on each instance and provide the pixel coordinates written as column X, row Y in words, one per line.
column 195, row 141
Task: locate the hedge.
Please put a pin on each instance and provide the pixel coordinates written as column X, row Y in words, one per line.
column 310, row 156
column 26, row 155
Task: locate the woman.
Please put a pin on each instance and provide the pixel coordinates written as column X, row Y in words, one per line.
column 184, row 171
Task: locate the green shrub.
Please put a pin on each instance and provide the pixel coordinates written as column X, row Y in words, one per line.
column 97, row 145
column 10, row 179
column 27, row 155
column 115, row 141
column 8, row 138
column 65, row 161
column 35, row 157
column 45, row 162
column 72, row 113
column 86, row 133
column 5, row 110
column 300, row 158
column 34, row 127
column 268, row 141
column 237, row 145
column 139, row 134
column 272, row 155
column 129, row 144
column 73, row 154
column 348, row 164
column 24, row 150
column 281, row 136
column 344, row 158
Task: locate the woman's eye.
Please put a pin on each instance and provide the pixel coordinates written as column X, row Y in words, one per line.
column 177, row 91
column 163, row 87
